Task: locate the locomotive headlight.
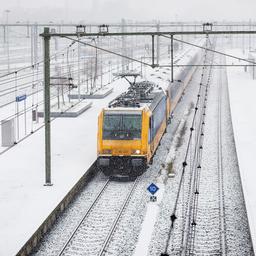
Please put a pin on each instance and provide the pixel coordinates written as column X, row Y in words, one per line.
column 106, row 151
column 137, row 151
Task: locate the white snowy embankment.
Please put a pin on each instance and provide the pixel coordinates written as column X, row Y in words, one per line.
column 242, row 91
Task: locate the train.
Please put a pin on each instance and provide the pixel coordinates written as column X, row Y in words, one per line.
column 131, row 127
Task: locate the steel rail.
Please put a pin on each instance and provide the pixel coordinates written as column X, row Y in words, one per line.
column 115, row 223
column 83, row 218
column 184, row 165
column 192, row 231
column 192, row 197
column 118, row 217
column 220, row 172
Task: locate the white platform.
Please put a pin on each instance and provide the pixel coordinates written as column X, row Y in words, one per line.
column 99, row 94
column 242, row 90
column 69, row 110
column 24, row 201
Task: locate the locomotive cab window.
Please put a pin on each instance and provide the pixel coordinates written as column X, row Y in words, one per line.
column 122, row 126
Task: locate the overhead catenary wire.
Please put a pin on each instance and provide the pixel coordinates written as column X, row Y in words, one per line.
column 40, row 81
column 108, row 51
column 41, row 102
column 30, row 66
column 211, row 50
column 27, row 84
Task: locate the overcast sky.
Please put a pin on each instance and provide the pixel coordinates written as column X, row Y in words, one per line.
column 114, row 10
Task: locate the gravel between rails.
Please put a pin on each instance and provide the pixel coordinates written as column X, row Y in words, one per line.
column 163, row 223
column 207, row 235
column 91, row 234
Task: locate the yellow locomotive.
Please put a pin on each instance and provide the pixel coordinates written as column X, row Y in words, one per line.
column 130, row 129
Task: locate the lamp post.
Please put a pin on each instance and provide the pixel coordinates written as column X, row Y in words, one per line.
column 7, row 39
column 47, row 107
column 96, row 63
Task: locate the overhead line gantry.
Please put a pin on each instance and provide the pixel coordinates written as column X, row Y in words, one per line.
column 81, row 33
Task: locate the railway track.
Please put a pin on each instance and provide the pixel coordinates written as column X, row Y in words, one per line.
column 202, row 223
column 190, row 222
column 93, row 233
column 209, row 226
column 179, row 236
column 223, row 241
column 108, row 237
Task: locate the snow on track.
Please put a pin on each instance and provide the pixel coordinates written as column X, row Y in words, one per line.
column 208, row 224
column 127, row 232
column 91, row 234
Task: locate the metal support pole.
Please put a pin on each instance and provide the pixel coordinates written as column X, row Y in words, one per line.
column 28, row 30
column 35, row 43
column 158, row 44
column 96, row 66
column 172, row 58
column 182, row 36
column 141, row 66
column 18, row 121
column 91, row 75
column 8, row 50
column 7, row 40
column 243, row 43
column 4, row 31
column 47, row 117
column 25, row 116
column 250, row 28
column 123, row 45
column 32, row 45
column 79, row 70
column 101, row 76
column 153, row 51
column 16, row 108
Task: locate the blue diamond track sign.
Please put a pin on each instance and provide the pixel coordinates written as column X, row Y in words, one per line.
column 152, row 188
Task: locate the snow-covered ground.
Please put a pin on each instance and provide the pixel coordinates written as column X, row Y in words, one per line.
column 242, row 91
column 24, row 200
column 127, row 233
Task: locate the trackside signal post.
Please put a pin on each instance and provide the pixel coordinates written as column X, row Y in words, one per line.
column 102, row 33
column 47, row 108
column 172, row 58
